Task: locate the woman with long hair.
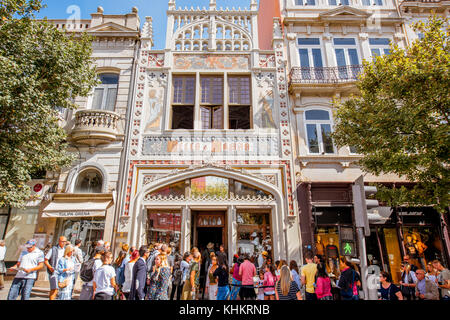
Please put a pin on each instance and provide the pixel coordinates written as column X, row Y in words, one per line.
column 269, row 282
column 190, row 288
column 128, row 273
column 286, row 288
column 160, row 279
column 65, row 270
column 323, row 284
column 295, row 273
column 211, row 280
column 237, row 279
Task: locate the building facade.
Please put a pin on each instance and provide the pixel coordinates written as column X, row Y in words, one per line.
column 209, row 147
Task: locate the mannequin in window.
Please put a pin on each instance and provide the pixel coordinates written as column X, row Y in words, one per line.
column 319, row 246
column 332, row 255
column 421, row 247
column 411, row 250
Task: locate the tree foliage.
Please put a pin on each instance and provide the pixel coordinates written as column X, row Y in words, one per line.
column 399, row 122
column 42, row 70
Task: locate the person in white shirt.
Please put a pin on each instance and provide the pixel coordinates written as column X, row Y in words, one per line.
column 27, row 267
column 128, row 273
column 87, row 290
column 51, row 262
column 2, row 263
column 105, row 279
column 78, row 260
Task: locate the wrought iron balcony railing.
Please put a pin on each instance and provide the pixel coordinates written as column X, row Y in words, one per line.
column 301, row 75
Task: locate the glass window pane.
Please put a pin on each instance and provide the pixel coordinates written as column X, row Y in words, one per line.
column 304, row 59
column 299, row 2
column 111, row 99
column 353, row 56
column 344, row 41
column 375, row 52
column 344, row 2
column 317, row 58
column 313, row 142
column 311, row 2
column 379, row 41
column 326, row 138
column 379, row 2
column 332, row 2
column 239, row 117
column 340, row 57
column 109, row 78
column 182, row 117
column 176, row 189
column 243, row 190
column 239, row 90
column 366, row 2
column 253, row 234
column 164, row 227
column 317, row 115
column 387, row 51
column 98, row 98
column 308, row 41
column 206, row 117
column 89, row 181
column 210, row 186
column 217, row 120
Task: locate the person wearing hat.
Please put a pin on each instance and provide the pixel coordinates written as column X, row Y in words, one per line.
column 27, row 266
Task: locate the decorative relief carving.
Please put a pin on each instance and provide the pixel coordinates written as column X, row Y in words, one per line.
column 267, row 61
column 208, row 62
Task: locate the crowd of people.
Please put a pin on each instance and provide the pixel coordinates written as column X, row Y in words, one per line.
column 157, row 272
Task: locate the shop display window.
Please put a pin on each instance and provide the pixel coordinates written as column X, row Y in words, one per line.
column 422, row 244
column 327, row 247
column 164, row 227
column 21, row 226
column 393, row 253
column 254, row 233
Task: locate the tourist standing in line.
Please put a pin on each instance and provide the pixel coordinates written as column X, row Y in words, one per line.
column 237, row 278
column 184, row 268
column 128, row 273
column 51, row 262
column 309, row 272
column 222, row 256
column 139, row 275
column 223, row 287
column 270, row 279
column 431, row 273
column 87, row 290
column 190, row 288
column 247, row 271
column 388, row 290
column 295, row 273
column 2, row 263
column 211, row 284
column 105, row 279
column 286, row 288
column 260, row 295
column 348, row 281
column 177, row 275
column 66, row 271
column 425, row 289
column 407, row 282
column 323, row 284
column 27, row 267
column 443, row 279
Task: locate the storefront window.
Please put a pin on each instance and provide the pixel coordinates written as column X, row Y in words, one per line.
column 89, row 181
column 164, row 227
column 209, row 185
column 393, row 252
column 176, row 190
column 254, row 233
column 327, row 247
column 422, row 244
column 21, row 226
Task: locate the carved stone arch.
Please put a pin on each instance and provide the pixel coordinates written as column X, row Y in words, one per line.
column 75, row 172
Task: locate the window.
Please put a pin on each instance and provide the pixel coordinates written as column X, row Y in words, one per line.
column 106, row 93
column 338, row 2
column 212, row 102
column 89, row 181
column 372, row 2
column 318, row 132
column 239, row 102
column 164, row 226
column 346, row 57
column 379, row 46
column 310, row 56
column 183, row 102
column 305, row 2
column 253, row 233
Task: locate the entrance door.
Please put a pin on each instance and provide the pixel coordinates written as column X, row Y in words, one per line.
column 207, row 235
column 209, row 227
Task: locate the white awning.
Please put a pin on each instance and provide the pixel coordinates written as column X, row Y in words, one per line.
column 76, row 209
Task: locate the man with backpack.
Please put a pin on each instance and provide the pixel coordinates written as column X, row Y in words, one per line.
column 87, row 273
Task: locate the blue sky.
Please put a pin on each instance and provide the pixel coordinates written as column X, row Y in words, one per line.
column 57, row 9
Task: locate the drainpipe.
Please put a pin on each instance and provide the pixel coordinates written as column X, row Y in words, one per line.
column 123, row 167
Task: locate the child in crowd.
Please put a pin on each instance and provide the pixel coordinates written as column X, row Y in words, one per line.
column 260, row 284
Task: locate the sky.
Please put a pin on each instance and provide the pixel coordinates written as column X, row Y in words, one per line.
column 63, row 9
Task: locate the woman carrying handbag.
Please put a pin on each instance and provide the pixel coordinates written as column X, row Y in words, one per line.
column 66, row 270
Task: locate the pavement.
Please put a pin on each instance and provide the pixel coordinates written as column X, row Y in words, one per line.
column 38, row 292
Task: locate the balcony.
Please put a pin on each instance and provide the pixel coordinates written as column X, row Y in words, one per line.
column 423, row 6
column 95, row 127
column 319, row 79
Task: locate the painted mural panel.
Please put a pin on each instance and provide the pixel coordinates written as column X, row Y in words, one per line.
column 265, row 113
column 211, row 62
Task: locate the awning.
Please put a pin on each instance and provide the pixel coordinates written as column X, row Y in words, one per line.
column 76, row 209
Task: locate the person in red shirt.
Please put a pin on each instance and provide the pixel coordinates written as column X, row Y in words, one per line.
column 247, row 270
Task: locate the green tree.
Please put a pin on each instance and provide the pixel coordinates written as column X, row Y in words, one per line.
column 42, row 70
column 399, row 121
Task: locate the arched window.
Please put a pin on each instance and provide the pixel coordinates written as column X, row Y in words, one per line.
column 318, row 131
column 89, row 181
column 105, row 94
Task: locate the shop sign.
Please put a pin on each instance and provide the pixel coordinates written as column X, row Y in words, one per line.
column 64, row 214
column 37, row 187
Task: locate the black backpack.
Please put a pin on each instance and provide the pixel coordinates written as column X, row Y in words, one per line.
column 87, row 270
